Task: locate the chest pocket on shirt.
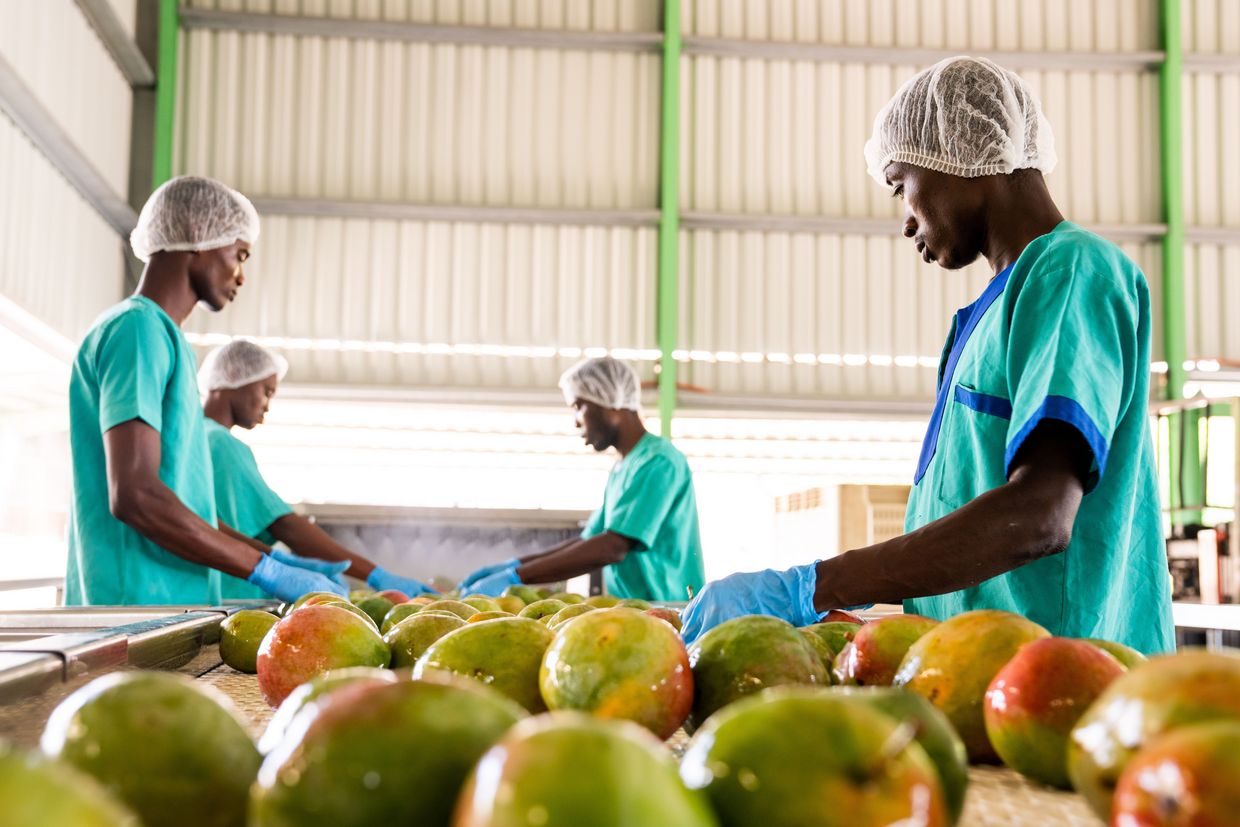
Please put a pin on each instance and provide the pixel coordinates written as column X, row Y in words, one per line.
column 972, row 443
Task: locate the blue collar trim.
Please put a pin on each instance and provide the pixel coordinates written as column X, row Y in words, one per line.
column 966, row 321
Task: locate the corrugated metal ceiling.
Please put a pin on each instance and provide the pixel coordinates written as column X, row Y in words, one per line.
column 413, row 284
column 277, row 115
column 1034, row 25
column 57, row 54
column 362, row 121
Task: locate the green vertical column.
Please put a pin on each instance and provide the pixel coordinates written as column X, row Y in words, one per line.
column 165, row 92
column 1187, row 485
column 668, row 312
column 1173, row 303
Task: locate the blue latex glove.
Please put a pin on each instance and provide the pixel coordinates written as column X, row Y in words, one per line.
column 290, row 582
column 788, row 595
column 493, row 584
column 332, row 571
column 381, row 579
column 467, row 585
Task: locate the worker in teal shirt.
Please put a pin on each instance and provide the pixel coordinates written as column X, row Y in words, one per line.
column 238, row 382
column 645, row 535
column 1035, row 491
column 142, row 521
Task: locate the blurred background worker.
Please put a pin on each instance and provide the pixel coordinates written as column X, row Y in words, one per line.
column 237, row 382
column 645, row 535
column 142, row 521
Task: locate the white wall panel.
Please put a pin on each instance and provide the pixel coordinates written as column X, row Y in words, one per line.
column 847, row 296
column 444, row 124
column 591, row 15
column 1211, row 26
column 57, row 54
column 1035, row 25
column 58, row 259
column 424, row 283
column 1212, row 285
column 787, row 137
column 1150, row 257
column 1211, row 129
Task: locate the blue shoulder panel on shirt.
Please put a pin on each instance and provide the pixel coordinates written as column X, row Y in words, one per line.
column 1062, row 409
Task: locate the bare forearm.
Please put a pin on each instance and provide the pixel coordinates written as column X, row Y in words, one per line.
column 548, row 552
column 307, row 539
column 1001, row 530
column 576, row 558
column 157, row 514
column 249, row 541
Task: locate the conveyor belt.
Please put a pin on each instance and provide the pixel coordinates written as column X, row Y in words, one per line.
column 998, row 797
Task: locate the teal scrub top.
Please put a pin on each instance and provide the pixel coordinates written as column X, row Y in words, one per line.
column 649, row 498
column 1062, row 334
column 243, row 500
column 135, row 364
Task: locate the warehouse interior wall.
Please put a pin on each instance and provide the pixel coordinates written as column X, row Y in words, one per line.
column 460, row 198
column 65, row 111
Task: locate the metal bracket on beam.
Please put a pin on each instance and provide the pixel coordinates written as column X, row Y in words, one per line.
column 1202, row 63
column 900, row 56
column 20, row 104
column 515, row 38
column 133, row 65
column 1212, row 235
column 326, row 208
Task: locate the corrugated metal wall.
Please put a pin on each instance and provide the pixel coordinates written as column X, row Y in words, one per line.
column 416, row 283
column 359, row 120
column 57, row 54
column 434, row 124
column 1211, row 26
column 308, row 117
column 780, row 137
column 786, row 137
column 1033, row 25
column 588, row 15
column 1213, row 300
column 58, row 258
column 847, row 316
column 1212, row 179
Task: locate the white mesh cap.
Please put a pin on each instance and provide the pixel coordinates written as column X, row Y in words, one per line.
column 237, row 364
column 191, row 213
column 964, row 116
column 605, row 381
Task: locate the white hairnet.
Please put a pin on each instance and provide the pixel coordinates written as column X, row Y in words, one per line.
column 190, row 213
column 605, row 381
column 964, row 116
column 237, row 364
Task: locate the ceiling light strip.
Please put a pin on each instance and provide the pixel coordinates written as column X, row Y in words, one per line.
column 551, row 352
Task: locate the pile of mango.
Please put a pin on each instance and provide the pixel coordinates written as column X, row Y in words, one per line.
column 533, row 710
